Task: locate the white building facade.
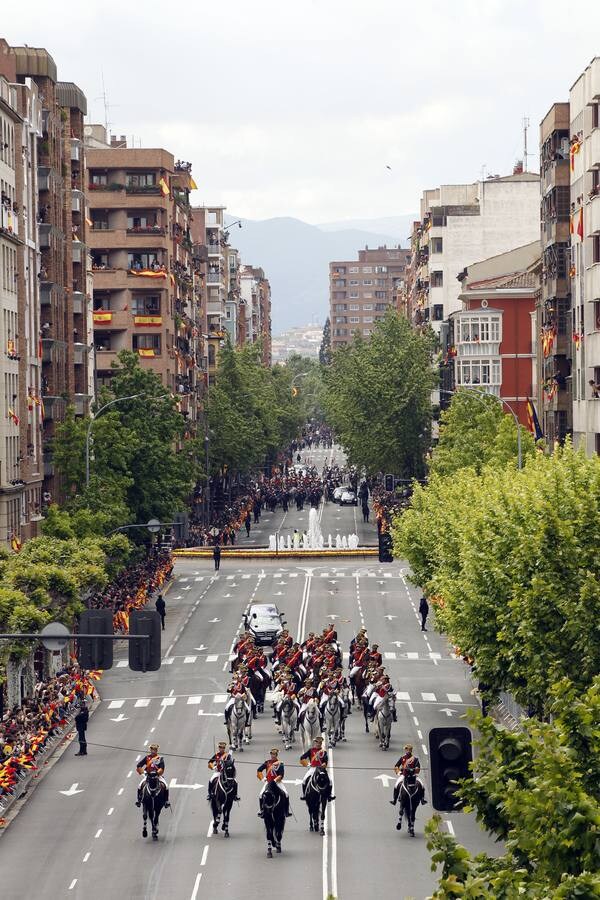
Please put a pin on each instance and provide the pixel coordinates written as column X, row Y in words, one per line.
column 584, row 100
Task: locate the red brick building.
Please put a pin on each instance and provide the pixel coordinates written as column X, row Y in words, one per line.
column 493, row 346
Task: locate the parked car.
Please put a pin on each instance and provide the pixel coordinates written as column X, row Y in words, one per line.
column 348, row 498
column 265, row 622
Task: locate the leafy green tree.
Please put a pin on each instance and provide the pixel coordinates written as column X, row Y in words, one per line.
column 325, row 353
column 538, row 791
column 475, row 431
column 378, row 397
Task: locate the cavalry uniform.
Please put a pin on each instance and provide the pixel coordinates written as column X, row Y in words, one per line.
column 407, row 766
column 375, row 656
column 360, row 659
column 149, row 763
column 329, row 635
column 315, row 758
column 273, row 770
column 216, row 763
column 239, row 689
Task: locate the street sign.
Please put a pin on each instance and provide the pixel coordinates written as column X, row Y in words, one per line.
column 54, row 636
column 153, row 526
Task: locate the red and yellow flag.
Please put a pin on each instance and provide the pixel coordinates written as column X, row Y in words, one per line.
column 147, row 320
column 147, row 353
column 164, row 187
column 102, row 315
column 147, row 273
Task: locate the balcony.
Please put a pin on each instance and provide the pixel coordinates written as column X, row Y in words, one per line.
column 593, row 150
column 109, row 187
column 593, row 216
column 214, row 277
column 43, row 178
column 143, row 189
column 78, row 302
column 81, row 403
column 75, row 149
column 78, row 251
column 592, row 81
column 114, row 319
column 144, row 230
column 76, row 201
column 80, row 352
column 592, row 282
column 45, row 230
column 214, row 249
column 48, row 350
column 54, row 408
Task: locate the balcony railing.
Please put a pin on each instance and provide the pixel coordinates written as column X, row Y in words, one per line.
column 78, row 301
column 79, row 354
column 112, row 186
column 214, row 277
column 147, row 229
column 214, row 249
column 143, row 189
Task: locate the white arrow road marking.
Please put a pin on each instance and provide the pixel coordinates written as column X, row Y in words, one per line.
column 202, row 713
column 389, row 618
column 184, row 579
column 293, row 781
column 120, row 718
column 177, row 598
column 188, row 588
column 200, row 648
column 397, row 643
column 191, row 787
column 332, row 615
column 385, row 779
column 226, row 596
column 212, row 621
column 449, row 712
column 72, row 790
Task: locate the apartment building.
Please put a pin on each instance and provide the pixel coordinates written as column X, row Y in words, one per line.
column 255, row 296
column 493, row 336
column 461, row 224
column 553, row 319
column 211, row 242
column 147, row 295
column 232, row 303
column 361, row 290
column 584, row 264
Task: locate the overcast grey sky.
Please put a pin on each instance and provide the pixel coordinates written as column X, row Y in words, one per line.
column 296, row 108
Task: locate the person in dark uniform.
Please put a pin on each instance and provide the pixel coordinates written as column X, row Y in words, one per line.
column 161, row 609
column 151, row 762
column 424, row 612
column 81, row 722
column 217, row 556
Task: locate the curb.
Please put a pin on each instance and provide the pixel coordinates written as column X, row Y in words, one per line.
column 27, row 786
column 201, row 553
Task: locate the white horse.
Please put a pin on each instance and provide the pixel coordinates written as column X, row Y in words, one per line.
column 311, row 724
column 236, row 724
column 383, row 726
column 332, row 717
column 289, row 721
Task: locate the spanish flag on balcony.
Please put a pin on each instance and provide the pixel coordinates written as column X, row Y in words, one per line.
column 147, row 273
column 13, row 416
column 146, row 353
column 193, row 185
column 533, row 421
column 580, row 224
column 164, row 187
column 102, row 315
column 575, row 148
column 147, row 320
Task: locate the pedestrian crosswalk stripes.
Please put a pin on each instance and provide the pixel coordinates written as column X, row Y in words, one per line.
column 221, row 699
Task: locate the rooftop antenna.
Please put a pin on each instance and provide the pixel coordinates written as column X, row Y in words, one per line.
column 104, row 97
column 525, row 153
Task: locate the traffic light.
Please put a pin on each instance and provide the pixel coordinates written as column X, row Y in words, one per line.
column 386, row 547
column 95, row 653
column 450, row 753
column 389, row 483
column 144, row 656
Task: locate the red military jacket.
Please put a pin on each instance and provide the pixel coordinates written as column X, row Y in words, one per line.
column 295, row 659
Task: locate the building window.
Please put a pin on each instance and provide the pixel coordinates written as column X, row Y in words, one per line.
column 100, row 220
column 438, row 311
column 140, row 179
column 146, row 342
column 354, row 306
column 366, row 332
column 354, row 283
column 367, row 270
column 353, row 295
column 353, row 270
column 436, row 244
column 340, row 307
column 596, row 248
column 354, row 320
column 367, row 306
column 367, row 320
column 595, row 115
column 437, row 279
column 143, row 261
column 479, row 371
column 380, row 269
column 146, row 304
column 381, row 295
column 367, row 281
column 98, row 178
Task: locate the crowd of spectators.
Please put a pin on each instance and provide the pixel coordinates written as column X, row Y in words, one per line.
column 27, row 730
column 133, row 588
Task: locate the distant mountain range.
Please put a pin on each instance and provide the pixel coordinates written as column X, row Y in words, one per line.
column 295, row 257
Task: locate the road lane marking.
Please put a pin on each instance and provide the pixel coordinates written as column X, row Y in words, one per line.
column 196, row 886
column 98, row 833
column 189, row 659
column 204, row 855
column 412, row 655
column 120, row 791
column 116, row 704
column 111, row 811
column 142, row 702
column 169, row 661
column 87, row 856
column 129, row 774
column 428, row 696
column 454, row 698
column 192, row 700
column 389, row 655
column 122, row 664
column 450, row 826
column 402, row 695
column 73, row 883
column 212, row 658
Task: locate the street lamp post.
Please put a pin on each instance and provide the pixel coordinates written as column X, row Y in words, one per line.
column 479, row 393
column 89, row 431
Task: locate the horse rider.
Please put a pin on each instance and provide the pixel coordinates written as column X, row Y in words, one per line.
column 275, row 770
column 328, row 687
column 375, row 656
column 216, row 764
column 407, row 766
column 237, row 689
column 330, row 634
column 360, row 657
column 308, row 692
column 382, row 689
column 287, row 691
column 151, row 762
column 315, row 758
column 360, row 639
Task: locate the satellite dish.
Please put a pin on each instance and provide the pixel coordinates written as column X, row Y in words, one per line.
column 87, row 129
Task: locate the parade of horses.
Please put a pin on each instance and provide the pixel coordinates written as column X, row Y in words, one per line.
column 311, row 700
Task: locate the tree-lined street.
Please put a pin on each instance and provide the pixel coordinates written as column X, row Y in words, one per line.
column 88, row 840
